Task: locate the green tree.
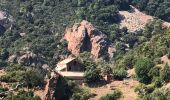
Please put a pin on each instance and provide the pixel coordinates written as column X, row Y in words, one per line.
column 92, row 73
column 142, row 68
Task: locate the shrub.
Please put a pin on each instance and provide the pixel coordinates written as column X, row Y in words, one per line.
column 23, row 95
column 119, row 74
column 142, row 68
column 92, row 73
column 33, row 77
column 143, row 89
column 115, row 95
column 82, row 94
column 129, row 61
column 157, row 82
column 165, row 73
column 154, row 72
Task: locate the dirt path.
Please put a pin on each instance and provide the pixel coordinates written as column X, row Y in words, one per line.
column 126, row 87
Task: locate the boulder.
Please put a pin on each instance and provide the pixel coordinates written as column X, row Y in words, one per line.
column 6, row 20
column 85, row 37
column 12, row 58
column 27, row 59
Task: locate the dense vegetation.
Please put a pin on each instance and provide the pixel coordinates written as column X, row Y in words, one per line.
column 158, row 8
column 22, row 95
column 44, row 22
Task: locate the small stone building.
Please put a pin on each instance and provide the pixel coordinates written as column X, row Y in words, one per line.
column 71, row 68
column 70, row 64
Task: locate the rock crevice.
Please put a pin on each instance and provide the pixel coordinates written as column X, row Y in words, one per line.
column 85, row 37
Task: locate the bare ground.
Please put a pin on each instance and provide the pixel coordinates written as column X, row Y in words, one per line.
column 134, row 20
column 165, row 59
column 126, row 87
column 2, row 72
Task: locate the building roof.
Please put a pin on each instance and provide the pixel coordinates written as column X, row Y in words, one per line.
column 65, row 61
column 62, row 65
column 60, row 68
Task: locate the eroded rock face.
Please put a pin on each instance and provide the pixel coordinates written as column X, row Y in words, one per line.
column 85, row 37
column 50, row 87
column 25, row 58
column 5, row 19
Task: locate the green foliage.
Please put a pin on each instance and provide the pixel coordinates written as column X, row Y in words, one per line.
column 82, row 94
column 157, row 82
column 158, row 95
column 115, row 95
column 143, row 89
column 154, row 72
column 33, row 77
column 30, row 77
column 158, row 8
column 22, row 95
column 92, row 73
column 142, row 68
column 119, row 74
column 165, row 73
column 3, row 89
column 129, row 61
column 68, row 89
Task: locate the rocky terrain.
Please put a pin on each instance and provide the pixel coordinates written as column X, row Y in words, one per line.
column 25, row 58
column 116, row 62
column 6, row 20
column 135, row 20
column 85, row 37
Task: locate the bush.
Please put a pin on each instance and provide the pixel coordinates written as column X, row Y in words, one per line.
column 142, row 68
column 82, row 94
column 92, row 73
column 33, row 78
column 22, row 95
column 119, row 74
column 154, row 72
column 129, row 61
column 115, row 95
column 165, row 73
column 157, row 94
column 143, row 89
column 157, row 82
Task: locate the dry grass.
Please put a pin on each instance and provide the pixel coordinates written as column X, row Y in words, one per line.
column 126, row 87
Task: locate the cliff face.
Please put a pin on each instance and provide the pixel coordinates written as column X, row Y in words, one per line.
column 85, row 37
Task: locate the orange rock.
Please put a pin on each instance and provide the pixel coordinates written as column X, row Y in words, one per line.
column 85, row 37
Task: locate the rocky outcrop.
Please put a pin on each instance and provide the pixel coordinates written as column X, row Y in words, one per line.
column 5, row 19
column 55, row 88
column 50, row 86
column 85, row 37
column 25, row 58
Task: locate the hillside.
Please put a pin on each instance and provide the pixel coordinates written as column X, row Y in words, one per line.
column 84, row 49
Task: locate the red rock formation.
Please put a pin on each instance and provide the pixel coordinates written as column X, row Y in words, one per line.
column 85, row 37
